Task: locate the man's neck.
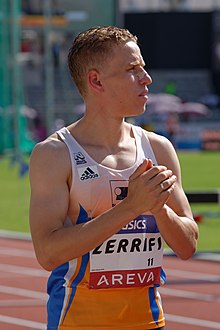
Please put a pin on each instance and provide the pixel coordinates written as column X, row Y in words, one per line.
column 101, row 131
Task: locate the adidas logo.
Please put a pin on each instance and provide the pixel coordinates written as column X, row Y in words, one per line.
column 86, row 173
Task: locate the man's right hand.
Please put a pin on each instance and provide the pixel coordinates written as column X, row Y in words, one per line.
column 145, row 192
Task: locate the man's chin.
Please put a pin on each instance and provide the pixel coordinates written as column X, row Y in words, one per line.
column 140, row 111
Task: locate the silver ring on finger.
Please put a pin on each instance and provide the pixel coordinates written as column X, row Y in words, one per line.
column 162, row 185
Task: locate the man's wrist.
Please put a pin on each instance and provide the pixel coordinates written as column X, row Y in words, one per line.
column 162, row 213
column 129, row 210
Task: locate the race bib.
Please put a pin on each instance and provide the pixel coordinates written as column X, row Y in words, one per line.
column 130, row 258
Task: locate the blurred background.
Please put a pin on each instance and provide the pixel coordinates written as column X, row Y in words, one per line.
column 180, row 42
column 179, row 39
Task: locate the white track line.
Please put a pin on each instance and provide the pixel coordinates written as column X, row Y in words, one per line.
column 188, row 320
column 22, row 323
column 191, row 275
column 6, row 234
column 23, row 292
column 172, row 318
column 189, row 294
column 27, row 271
column 17, row 252
column 21, row 303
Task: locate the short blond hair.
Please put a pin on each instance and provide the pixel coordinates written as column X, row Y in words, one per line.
column 91, row 48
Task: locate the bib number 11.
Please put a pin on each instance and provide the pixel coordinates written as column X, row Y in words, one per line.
column 150, row 262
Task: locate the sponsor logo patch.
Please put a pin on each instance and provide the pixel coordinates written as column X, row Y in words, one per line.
column 125, row 278
column 79, row 158
column 119, row 190
column 88, row 173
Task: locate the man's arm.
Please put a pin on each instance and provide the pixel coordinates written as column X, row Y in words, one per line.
column 175, row 219
column 54, row 244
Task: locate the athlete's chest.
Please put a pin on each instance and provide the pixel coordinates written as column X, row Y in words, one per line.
column 120, row 157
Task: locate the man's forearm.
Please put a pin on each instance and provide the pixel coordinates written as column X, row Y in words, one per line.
column 180, row 233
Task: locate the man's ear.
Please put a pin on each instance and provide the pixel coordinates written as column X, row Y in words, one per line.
column 94, row 80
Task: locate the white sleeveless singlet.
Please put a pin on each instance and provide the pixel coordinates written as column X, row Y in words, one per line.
column 126, row 268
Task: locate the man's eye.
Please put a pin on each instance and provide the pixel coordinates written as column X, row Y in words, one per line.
column 133, row 68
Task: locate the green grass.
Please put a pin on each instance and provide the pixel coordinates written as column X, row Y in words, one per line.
column 14, row 197
column 200, row 171
column 209, row 230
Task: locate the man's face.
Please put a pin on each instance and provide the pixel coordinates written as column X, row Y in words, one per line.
column 125, row 80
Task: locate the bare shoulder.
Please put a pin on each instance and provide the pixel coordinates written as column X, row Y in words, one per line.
column 49, row 156
column 48, row 147
column 158, row 140
column 164, row 151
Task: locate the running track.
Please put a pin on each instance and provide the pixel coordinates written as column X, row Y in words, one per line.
column 191, row 297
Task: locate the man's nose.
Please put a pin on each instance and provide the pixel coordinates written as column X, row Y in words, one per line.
column 144, row 77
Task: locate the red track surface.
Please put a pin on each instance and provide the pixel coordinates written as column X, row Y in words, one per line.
column 191, row 297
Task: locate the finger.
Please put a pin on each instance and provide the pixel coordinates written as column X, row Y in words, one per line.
column 157, row 172
column 147, row 164
column 150, row 164
column 168, row 183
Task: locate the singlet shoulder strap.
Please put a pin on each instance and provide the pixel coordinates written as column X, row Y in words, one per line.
column 65, row 136
column 143, row 139
column 72, row 146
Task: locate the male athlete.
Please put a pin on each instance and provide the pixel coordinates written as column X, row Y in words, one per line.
column 105, row 195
